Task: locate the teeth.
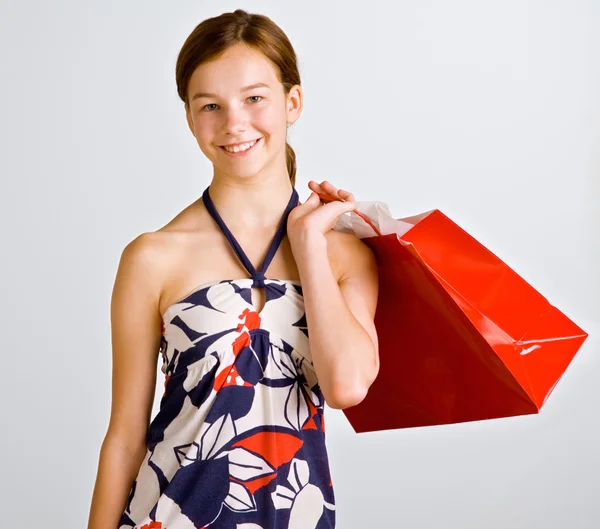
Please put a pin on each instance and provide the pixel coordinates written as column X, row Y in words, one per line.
column 242, row 147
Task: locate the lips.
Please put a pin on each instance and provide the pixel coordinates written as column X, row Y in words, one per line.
column 239, row 143
column 240, row 153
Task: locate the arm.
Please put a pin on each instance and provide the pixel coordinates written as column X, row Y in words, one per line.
column 339, row 312
column 136, row 331
column 342, row 336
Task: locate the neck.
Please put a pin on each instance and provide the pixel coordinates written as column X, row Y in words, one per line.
column 251, row 204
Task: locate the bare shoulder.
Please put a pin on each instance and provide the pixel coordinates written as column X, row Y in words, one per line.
column 152, row 253
column 349, row 256
column 142, row 263
column 144, row 252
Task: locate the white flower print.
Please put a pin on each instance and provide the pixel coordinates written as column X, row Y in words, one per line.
column 303, row 498
column 301, row 401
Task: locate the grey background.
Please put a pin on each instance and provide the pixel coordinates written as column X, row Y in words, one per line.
column 487, row 110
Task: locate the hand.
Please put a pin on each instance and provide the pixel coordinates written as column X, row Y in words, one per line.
column 309, row 222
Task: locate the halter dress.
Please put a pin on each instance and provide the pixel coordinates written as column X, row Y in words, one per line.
column 238, row 441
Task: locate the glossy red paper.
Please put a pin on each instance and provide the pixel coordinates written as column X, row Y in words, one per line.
column 462, row 337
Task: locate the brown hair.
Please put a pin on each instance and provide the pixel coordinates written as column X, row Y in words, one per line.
column 214, row 36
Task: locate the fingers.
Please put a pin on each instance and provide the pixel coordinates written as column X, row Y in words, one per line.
column 310, row 203
column 346, row 195
column 325, row 187
column 316, row 188
column 332, row 206
column 329, row 213
column 319, row 214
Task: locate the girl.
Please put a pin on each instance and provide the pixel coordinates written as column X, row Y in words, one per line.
column 260, row 311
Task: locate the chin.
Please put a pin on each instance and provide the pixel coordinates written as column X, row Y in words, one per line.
column 241, row 174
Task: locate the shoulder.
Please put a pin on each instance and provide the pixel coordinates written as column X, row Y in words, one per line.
column 349, row 256
column 153, row 250
column 139, row 273
column 151, row 258
column 150, row 254
column 146, row 251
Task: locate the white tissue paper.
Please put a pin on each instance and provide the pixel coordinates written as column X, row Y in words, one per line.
column 379, row 214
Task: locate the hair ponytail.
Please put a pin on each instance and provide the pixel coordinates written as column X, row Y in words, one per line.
column 290, row 158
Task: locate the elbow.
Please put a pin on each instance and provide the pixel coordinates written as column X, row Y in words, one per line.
column 347, row 395
column 342, row 394
column 341, row 400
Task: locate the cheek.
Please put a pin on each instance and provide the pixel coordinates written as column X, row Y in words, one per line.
column 205, row 131
column 268, row 117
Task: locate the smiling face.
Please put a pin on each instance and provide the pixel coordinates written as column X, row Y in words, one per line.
column 228, row 107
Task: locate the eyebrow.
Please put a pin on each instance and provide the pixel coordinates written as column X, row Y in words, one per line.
column 243, row 89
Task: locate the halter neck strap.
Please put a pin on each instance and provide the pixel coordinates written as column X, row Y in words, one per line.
column 257, row 275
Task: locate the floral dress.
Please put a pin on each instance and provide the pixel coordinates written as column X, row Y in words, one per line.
column 239, row 439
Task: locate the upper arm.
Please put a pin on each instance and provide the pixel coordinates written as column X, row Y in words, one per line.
column 136, row 328
column 359, row 283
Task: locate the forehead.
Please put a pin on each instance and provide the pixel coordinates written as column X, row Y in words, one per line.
column 239, row 66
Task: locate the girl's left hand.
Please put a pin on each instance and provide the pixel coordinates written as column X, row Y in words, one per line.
column 309, row 222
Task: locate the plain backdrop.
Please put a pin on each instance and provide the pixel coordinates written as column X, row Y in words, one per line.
column 487, row 110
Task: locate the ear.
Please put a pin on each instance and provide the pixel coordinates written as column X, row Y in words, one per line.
column 294, row 103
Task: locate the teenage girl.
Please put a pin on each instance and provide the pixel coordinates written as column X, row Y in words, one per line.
column 259, row 311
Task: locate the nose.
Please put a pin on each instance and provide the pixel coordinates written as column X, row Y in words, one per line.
column 235, row 121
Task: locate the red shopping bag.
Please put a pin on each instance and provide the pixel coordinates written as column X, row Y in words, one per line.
column 462, row 337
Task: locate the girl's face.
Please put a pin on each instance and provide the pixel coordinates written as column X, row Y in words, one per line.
column 226, row 108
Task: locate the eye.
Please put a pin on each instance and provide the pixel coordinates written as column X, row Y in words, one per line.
column 204, row 109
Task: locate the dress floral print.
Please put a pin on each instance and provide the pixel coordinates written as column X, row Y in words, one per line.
column 239, row 438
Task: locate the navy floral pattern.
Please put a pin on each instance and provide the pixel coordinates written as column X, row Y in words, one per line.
column 239, row 439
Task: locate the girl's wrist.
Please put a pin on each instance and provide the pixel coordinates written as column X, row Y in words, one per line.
column 306, row 246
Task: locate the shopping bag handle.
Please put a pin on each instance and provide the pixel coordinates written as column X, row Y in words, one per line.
column 328, row 198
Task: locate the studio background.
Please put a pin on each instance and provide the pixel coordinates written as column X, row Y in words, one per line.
column 486, row 110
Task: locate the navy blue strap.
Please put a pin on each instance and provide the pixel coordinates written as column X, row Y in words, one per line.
column 257, row 275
